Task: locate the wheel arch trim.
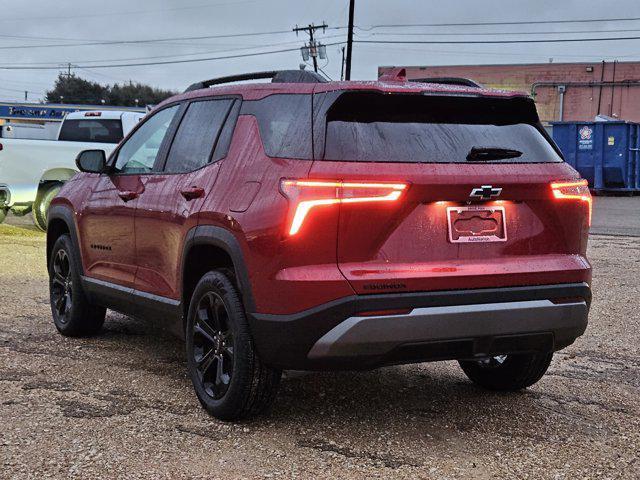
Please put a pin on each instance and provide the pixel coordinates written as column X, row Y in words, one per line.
column 65, row 214
column 222, row 238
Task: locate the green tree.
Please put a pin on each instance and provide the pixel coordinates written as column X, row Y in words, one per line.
column 132, row 94
column 73, row 89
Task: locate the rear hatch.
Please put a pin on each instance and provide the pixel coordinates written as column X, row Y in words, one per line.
column 447, row 192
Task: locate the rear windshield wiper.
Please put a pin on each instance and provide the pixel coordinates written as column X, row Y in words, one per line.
column 479, row 154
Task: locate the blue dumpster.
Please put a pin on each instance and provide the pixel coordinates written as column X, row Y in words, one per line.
column 605, row 153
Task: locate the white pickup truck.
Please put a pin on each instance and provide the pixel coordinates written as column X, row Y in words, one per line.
column 32, row 171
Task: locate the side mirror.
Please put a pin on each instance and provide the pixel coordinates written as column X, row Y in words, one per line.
column 92, row 161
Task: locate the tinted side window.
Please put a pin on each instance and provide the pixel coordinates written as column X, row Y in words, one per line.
column 285, row 124
column 94, row 130
column 197, row 135
column 139, row 152
column 226, row 135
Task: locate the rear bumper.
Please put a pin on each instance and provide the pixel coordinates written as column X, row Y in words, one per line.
column 459, row 324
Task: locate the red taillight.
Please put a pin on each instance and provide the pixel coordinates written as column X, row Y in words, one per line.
column 307, row 194
column 575, row 190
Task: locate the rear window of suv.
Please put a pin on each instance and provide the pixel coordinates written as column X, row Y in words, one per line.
column 374, row 127
column 98, row 131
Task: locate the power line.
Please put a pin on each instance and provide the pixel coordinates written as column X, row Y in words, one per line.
column 325, row 73
column 276, row 32
column 478, row 42
column 147, row 57
column 131, row 12
column 519, row 22
column 153, row 40
column 102, row 75
column 67, row 39
column 490, row 34
column 20, row 90
column 494, row 53
column 168, row 62
column 21, row 82
column 128, row 42
column 91, row 40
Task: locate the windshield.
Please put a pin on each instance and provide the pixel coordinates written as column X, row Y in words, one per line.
column 371, row 127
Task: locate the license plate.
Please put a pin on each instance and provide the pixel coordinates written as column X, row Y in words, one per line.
column 476, row 224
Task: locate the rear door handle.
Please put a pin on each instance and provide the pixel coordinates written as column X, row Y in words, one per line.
column 128, row 195
column 191, row 193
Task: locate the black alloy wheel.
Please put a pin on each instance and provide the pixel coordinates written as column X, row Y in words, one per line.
column 229, row 378
column 74, row 314
column 213, row 345
column 62, row 286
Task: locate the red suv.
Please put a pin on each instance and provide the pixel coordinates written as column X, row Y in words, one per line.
column 312, row 225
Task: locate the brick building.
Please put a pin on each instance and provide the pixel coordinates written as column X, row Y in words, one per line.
column 563, row 91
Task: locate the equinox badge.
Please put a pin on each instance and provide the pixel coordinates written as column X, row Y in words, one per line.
column 485, row 192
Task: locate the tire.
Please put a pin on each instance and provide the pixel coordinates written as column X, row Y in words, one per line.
column 73, row 314
column 507, row 373
column 42, row 203
column 229, row 379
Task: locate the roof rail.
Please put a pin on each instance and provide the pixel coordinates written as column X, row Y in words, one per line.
column 276, row 76
column 463, row 82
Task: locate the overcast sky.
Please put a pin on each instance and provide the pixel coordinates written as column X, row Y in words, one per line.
column 34, row 23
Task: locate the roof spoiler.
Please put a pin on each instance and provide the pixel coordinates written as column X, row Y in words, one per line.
column 276, row 76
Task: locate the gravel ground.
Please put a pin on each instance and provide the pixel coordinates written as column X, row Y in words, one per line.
column 121, row 406
column 616, row 216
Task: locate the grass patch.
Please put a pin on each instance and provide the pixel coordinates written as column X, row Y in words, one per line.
column 30, row 231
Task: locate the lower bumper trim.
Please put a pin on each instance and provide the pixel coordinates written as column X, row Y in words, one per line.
column 380, row 335
column 443, row 325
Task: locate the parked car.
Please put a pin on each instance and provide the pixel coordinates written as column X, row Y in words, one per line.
column 32, row 171
column 312, row 225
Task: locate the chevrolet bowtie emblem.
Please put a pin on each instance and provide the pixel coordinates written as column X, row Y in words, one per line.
column 485, row 192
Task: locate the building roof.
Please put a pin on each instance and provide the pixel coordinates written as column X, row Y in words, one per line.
column 531, row 64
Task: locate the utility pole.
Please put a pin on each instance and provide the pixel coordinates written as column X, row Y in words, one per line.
column 350, row 39
column 313, row 49
column 342, row 66
column 26, row 95
column 68, row 71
